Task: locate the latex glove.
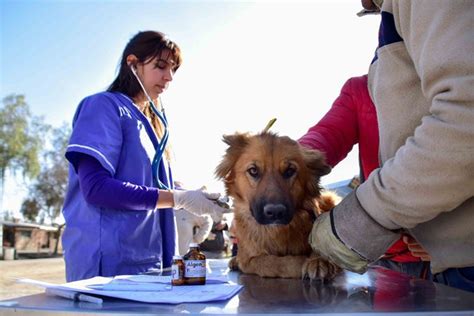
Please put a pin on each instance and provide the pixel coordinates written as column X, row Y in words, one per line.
column 324, row 242
column 199, row 202
column 416, row 249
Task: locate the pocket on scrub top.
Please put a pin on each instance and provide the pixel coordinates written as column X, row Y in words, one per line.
column 112, row 266
column 140, row 237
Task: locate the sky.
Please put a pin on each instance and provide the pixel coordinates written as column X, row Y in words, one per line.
column 245, row 62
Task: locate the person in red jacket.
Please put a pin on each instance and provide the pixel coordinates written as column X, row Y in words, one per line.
column 352, row 120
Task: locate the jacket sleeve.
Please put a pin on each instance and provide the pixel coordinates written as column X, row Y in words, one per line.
column 432, row 172
column 337, row 131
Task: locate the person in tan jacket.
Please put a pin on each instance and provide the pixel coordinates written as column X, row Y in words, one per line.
column 422, row 84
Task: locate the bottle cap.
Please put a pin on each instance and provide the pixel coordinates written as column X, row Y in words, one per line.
column 193, row 245
column 177, row 257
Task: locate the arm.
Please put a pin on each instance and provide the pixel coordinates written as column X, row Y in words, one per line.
column 99, row 188
column 97, row 133
column 337, row 131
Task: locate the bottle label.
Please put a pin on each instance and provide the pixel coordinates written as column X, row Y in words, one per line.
column 195, row 268
column 175, row 273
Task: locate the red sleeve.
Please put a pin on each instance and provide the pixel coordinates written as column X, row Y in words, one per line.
column 337, row 131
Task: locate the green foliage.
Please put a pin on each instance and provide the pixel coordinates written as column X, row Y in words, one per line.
column 8, row 216
column 34, row 148
column 30, row 209
column 20, row 139
column 47, row 192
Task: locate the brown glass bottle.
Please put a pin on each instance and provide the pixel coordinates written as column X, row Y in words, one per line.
column 194, row 266
column 177, row 271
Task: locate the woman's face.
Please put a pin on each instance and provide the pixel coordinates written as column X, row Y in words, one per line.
column 157, row 73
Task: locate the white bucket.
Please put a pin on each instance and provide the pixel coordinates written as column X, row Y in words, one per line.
column 9, row 253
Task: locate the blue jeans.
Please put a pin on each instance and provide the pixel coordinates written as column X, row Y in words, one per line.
column 461, row 278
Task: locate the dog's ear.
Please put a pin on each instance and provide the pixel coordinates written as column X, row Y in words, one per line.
column 315, row 161
column 237, row 143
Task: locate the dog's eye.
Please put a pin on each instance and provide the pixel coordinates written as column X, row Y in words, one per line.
column 253, row 171
column 289, row 172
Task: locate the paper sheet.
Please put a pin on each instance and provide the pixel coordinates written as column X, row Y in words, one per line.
column 172, row 295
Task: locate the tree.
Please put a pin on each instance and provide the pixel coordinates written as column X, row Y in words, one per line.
column 8, row 216
column 20, row 140
column 47, row 192
column 30, row 209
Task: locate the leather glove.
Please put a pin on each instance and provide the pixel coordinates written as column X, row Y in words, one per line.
column 349, row 237
column 199, row 202
column 323, row 240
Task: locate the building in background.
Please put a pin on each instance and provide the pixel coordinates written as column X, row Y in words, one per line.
column 29, row 240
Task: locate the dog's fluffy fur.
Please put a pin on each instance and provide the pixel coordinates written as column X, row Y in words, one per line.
column 274, row 183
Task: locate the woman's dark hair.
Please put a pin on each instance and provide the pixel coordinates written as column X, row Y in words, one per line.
column 146, row 46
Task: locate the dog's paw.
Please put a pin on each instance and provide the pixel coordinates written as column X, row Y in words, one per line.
column 234, row 264
column 318, row 268
column 322, row 294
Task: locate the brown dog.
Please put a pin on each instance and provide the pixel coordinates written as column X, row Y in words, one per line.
column 274, row 183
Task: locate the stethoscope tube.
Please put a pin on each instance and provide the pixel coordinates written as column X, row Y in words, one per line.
column 155, row 166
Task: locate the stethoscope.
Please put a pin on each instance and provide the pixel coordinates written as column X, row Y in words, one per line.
column 155, row 166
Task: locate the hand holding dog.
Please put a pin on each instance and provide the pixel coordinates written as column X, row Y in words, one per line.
column 342, row 234
column 416, row 249
column 199, row 202
column 324, row 242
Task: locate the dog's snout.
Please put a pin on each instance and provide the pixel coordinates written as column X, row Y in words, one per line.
column 274, row 211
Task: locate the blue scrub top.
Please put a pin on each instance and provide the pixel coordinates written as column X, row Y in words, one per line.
column 107, row 242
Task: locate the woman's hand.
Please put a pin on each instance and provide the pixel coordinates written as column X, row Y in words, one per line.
column 199, row 202
column 416, row 249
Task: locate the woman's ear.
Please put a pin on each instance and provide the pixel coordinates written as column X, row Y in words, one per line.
column 132, row 60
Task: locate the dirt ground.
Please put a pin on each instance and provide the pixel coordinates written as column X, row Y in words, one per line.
column 47, row 270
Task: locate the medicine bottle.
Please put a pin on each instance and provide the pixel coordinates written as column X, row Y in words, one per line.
column 194, row 266
column 177, row 271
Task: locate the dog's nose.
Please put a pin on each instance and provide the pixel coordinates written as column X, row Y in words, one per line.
column 274, row 211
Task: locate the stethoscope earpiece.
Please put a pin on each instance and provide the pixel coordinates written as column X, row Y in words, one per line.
column 133, row 68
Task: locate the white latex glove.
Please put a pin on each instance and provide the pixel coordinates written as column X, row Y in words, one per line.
column 199, row 202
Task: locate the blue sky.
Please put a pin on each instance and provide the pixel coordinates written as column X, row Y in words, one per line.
column 244, row 63
column 57, row 52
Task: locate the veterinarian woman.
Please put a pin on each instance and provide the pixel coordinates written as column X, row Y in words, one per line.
column 118, row 208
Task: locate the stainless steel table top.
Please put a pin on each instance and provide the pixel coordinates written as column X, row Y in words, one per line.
column 377, row 291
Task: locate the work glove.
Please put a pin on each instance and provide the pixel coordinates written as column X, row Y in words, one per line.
column 324, row 241
column 200, row 202
column 349, row 237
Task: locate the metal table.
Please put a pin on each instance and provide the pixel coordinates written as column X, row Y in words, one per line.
column 377, row 291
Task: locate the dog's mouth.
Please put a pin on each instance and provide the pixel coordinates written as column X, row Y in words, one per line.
column 272, row 213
